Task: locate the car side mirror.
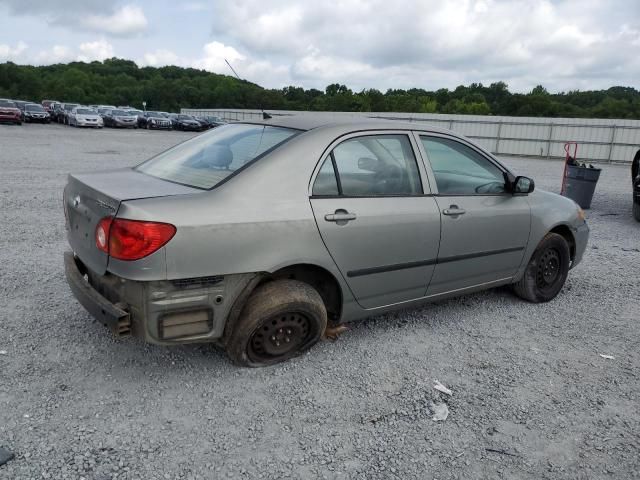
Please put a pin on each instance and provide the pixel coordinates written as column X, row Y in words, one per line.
column 523, row 185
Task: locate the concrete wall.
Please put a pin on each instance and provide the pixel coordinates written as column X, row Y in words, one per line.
column 600, row 140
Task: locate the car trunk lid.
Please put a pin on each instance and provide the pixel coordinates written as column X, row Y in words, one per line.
column 90, row 197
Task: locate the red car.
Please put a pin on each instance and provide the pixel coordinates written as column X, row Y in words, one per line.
column 9, row 112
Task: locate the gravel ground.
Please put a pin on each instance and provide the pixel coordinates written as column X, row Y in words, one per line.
column 532, row 397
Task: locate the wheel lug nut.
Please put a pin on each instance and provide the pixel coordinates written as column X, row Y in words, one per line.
column 277, row 344
column 288, row 331
column 287, row 339
column 273, row 337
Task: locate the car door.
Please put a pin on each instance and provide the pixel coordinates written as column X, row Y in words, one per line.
column 485, row 229
column 376, row 217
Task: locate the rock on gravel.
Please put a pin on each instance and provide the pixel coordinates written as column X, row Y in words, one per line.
column 527, row 379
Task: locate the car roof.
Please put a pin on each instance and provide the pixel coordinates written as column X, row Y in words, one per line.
column 312, row 122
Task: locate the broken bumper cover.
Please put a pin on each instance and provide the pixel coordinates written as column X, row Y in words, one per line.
column 114, row 317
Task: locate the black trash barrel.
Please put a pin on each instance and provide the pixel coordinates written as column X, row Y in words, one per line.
column 580, row 183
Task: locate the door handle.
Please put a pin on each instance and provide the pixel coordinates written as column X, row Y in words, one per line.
column 340, row 216
column 454, row 211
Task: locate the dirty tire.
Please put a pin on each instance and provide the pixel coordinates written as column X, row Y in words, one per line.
column 280, row 320
column 546, row 272
column 636, row 210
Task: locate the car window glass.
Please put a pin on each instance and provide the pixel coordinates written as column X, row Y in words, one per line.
column 460, row 170
column 377, row 165
column 326, row 183
column 206, row 160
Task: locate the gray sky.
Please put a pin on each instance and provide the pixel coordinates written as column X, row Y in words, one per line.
column 561, row 44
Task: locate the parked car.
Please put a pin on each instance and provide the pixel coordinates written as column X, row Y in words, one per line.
column 154, row 120
column 85, row 117
column 215, row 121
column 9, row 113
column 119, row 118
column 261, row 237
column 63, row 113
column 136, row 113
column 48, row 106
column 186, row 122
column 34, row 112
column 48, row 103
column 20, row 104
column 635, row 179
column 104, row 109
column 204, row 124
column 56, row 113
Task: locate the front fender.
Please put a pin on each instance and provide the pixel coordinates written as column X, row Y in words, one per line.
column 548, row 212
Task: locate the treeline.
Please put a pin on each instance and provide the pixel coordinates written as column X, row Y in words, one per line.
column 122, row 82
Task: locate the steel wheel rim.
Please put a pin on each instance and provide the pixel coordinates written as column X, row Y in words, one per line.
column 549, row 269
column 279, row 336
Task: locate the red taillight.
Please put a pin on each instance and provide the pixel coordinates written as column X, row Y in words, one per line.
column 132, row 239
column 102, row 234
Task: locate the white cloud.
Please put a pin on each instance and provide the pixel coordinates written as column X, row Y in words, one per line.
column 561, row 44
column 126, row 21
column 85, row 52
column 160, row 58
column 214, row 57
column 56, row 54
column 564, row 45
column 98, row 50
column 9, row 53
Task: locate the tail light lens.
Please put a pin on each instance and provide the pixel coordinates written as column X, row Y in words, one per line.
column 132, row 239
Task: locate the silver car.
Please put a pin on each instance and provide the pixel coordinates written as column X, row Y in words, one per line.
column 85, row 117
column 263, row 237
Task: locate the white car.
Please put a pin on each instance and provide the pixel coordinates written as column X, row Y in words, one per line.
column 85, row 117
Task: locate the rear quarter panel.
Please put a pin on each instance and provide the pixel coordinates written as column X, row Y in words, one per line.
column 258, row 221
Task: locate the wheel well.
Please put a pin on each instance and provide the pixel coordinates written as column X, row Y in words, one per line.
column 320, row 279
column 565, row 232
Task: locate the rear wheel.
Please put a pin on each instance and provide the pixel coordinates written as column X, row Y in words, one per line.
column 281, row 320
column 547, row 270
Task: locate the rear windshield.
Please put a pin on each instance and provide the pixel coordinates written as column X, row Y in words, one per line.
column 206, row 160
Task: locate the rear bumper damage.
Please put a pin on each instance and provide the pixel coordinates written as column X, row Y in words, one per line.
column 111, row 315
column 162, row 312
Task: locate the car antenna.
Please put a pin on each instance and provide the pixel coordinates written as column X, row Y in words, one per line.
column 265, row 115
column 234, row 72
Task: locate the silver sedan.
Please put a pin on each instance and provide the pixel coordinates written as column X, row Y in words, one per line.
column 84, row 117
column 265, row 237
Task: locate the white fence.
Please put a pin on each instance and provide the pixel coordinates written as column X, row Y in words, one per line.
column 600, row 140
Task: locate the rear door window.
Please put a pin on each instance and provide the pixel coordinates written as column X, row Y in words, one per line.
column 374, row 165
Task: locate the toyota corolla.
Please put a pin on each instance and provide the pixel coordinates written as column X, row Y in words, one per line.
column 263, row 237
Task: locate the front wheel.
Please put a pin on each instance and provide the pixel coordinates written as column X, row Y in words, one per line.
column 636, row 210
column 547, row 270
column 281, row 320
